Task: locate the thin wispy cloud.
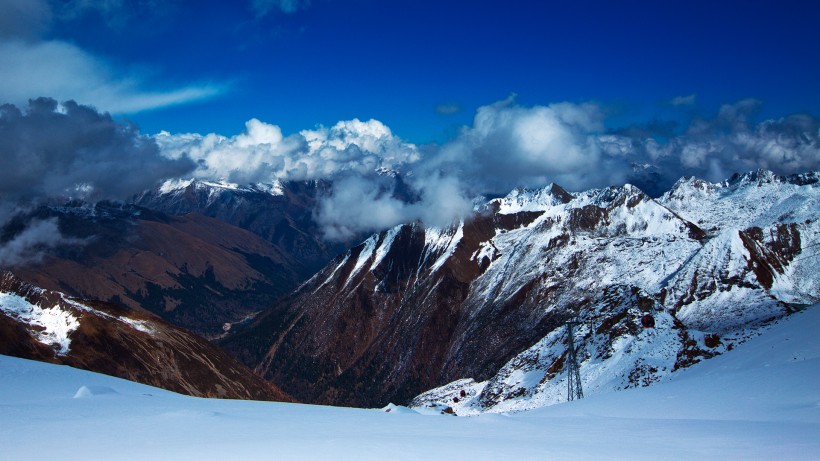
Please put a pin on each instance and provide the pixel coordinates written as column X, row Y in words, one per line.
column 265, row 7
column 688, row 100
column 448, row 108
column 35, row 67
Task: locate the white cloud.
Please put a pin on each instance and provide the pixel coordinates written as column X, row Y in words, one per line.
column 66, row 72
column 361, row 204
column 352, row 153
column 262, row 153
column 33, row 243
column 509, row 145
column 33, row 67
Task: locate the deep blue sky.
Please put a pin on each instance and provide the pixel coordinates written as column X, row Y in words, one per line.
column 396, row 61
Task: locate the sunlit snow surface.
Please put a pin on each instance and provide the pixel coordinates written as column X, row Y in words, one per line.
column 54, row 324
column 759, row 401
column 50, row 325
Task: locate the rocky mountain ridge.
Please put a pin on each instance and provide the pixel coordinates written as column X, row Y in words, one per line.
column 413, row 308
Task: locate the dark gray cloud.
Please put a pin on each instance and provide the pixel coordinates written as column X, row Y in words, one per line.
column 52, row 151
column 71, row 150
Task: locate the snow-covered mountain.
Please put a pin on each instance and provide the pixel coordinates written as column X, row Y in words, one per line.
column 481, row 305
column 52, row 327
column 278, row 212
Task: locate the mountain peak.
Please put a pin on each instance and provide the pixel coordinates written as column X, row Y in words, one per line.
column 523, row 199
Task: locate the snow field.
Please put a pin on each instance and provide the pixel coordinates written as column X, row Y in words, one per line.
column 758, row 401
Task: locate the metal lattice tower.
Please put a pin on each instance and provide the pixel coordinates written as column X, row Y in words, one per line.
column 574, row 390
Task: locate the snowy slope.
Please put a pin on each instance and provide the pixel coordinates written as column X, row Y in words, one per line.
column 706, row 295
column 758, row 401
column 762, row 250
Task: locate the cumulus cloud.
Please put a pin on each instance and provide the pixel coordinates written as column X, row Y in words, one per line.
column 360, row 158
column 262, row 153
column 34, row 67
column 509, row 145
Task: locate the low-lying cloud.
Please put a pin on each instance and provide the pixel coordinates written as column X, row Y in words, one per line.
column 731, row 142
column 33, row 243
column 360, row 204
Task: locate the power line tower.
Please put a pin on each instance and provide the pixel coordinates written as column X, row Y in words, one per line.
column 574, row 390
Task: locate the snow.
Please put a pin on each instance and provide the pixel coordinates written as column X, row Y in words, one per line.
column 364, row 255
column 139, row 325
column 173, row 186
column 758, row 401
column 442, row 241
column 51, row 326
column 743, row 203
column 527, row 200
column 385, row 246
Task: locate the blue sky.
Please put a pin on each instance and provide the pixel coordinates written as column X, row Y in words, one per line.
column 424, row 67
column 462, row 99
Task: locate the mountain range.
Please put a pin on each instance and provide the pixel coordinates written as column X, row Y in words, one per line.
column 467, row 318
column 480, row 306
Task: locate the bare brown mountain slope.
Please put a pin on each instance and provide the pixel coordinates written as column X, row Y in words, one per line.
column 48, row 326
column 196, row 272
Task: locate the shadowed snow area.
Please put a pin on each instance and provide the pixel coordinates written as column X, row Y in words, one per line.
column 759, row 401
